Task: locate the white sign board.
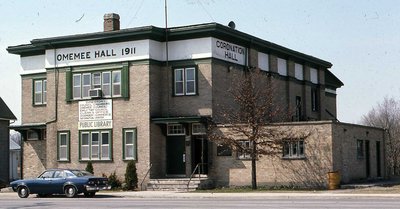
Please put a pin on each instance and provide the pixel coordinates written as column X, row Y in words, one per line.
column 95, row 54
column 95, row 114
column 229, row 52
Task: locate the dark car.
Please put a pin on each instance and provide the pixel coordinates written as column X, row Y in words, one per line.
column 61, row 181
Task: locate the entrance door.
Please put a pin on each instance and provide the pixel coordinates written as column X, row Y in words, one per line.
column 367, row 159
column 378, row 159
column 176, row 155
column 200, row 154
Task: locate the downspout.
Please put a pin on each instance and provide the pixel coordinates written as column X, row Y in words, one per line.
column 166, row 57
column 56, row 79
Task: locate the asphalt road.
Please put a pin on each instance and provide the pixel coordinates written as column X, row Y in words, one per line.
column 242, row 202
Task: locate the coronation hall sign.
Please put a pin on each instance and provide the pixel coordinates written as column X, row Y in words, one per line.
column 95, row 114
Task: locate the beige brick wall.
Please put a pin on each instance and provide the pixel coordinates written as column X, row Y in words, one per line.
column 30, row 113
column 34, row 156
column 323, row 151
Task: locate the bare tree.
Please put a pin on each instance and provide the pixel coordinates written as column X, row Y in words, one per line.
column 386, row 115
column 255, row 106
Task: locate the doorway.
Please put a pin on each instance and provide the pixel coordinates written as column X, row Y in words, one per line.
column 176, row 155
column 200, row 154
column 378, row 159
column 367, row 159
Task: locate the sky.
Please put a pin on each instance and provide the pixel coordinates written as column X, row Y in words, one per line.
column 361, row 38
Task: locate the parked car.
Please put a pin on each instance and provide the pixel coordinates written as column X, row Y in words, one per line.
column 61, row 181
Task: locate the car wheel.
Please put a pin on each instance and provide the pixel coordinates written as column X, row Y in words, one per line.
column 89, row 194
column 70, row 191
column 23, row 192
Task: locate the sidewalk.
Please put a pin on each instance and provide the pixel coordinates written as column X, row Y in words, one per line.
column 388, row 188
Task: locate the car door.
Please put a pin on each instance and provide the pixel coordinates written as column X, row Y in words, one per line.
column 58, row 182
column 41, row 185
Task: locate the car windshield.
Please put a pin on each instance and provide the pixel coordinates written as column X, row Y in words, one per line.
column 81, row 173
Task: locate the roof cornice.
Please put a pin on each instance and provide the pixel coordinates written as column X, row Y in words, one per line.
column 38, row 46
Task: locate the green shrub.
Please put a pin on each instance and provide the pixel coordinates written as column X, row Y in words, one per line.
column 131, row 178
column 114, row 182
column 89, row 167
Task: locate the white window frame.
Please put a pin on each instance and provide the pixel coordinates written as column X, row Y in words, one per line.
column 294, row 149
column 86, row 87
column 190, row 80
column 131, row 146
column 86, row 146
column 184, row 83
column 176, row 129
column 40, row 95
column 63, row 149
column 106, row 84
column 96, row 81
column 116, row 84
column 91, row 147
column 79, row 76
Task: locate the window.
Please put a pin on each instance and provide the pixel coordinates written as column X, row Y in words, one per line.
column 314, row 75
column 293, row 149
column 116, row 83
column 95, row 145
column 314, row 100
column 298, row 71
column 129, row 144
column 185, row 81
column 198, row 129
column 32, row 135
column 298, row 115
column 175, row 130
column 282, row 67
column 86, row 85
column 360, row 149
column 263, row 61
column 224, row 150
column 63, row 146
column 108, row 81
column 244, row 154
column 39, row 92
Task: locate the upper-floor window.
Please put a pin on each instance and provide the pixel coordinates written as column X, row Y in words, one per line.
column 185, row 81
column 293, row 149
column 108, row 81
column 39, row 91
column 282, row 66
column 314, row 75
column 263, row 61
column 298, row 71
column 314, row 100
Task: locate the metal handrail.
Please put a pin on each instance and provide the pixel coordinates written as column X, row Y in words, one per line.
column 194, row 171
column 147, row 173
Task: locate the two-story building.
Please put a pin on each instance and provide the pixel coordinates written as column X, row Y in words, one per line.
column 5, row 117
column 144, row 93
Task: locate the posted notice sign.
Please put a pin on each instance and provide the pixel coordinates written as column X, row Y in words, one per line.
column 95, row 114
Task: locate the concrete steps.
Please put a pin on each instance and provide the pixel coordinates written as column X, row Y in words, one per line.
column 179, row 184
